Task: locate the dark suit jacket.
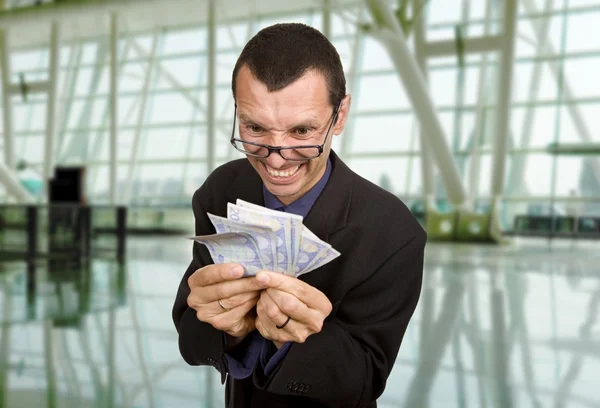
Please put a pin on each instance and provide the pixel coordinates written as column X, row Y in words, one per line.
column 374, row 287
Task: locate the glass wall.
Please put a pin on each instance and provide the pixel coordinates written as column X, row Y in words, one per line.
column 556, row 99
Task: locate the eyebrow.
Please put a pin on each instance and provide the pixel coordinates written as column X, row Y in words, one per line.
column 310, row 121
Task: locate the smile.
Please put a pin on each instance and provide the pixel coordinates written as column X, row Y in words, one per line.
column 282, row 174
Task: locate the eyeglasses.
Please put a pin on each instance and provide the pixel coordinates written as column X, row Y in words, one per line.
column 291, row 153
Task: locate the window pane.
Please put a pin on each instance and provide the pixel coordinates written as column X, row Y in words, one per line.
column 382, row 133
column 164, row 143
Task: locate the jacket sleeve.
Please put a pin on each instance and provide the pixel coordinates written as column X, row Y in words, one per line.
column 199, row 342
column 347, row 364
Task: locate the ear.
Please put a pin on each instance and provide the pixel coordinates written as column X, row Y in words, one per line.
column 342, row 115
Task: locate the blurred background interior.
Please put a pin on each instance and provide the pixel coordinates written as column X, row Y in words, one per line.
column 483, row 116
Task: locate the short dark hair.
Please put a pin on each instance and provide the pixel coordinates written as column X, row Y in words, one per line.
column 282, row 53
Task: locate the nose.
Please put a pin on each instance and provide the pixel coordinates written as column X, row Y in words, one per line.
column 275, row 160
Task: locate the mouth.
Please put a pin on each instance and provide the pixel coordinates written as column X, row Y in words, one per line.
column 280, row 176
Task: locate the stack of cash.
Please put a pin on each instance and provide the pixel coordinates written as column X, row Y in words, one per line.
column 262, row 239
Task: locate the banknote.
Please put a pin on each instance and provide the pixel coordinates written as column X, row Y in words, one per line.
column 278, row 223
column 259, row 238
column 236, row 247
column 265, row 238
column 323, row 258
column 295, row 224
column 311, row 251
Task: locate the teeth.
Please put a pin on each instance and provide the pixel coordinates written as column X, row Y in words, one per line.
column 288, row 173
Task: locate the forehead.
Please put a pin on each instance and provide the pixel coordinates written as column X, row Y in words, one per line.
column 307, row 95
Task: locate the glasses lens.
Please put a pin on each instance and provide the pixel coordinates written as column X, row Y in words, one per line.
column 251, row 149
column 300, row 153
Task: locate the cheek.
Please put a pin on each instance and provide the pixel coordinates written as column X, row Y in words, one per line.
column 314, row 166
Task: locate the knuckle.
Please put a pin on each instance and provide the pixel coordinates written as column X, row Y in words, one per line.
column 200, row 316
column 233, row 301
column 194, row 300
column 328, row 309
column 218, row 323
column 299, row 337
column 302, row 291
column 260, row 308
column 220, row 292
column 289, row 305
column 316, row 326
column 272, row 311
column 307, row 334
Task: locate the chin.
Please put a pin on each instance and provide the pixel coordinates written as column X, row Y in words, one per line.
column 281, row 191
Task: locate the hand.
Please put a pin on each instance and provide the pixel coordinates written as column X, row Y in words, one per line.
column 288, row 296
column 222, row 282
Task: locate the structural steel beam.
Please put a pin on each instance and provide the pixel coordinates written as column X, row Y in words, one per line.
column 474, row 45
column 547, row 48
column 391, row 35
column 327, row 18
column 170, row 78
column 140, row 122
column 9, row 148
column 50, row 139
column 114, row 106
column 32, row 87
column 427, row 168
column 353, row 82
column 11, row 183
column 504, row 104
column 211, row 133
column 474, row 173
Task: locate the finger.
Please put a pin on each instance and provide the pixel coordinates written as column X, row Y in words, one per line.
column 292, row 331
column 237, row 300
column 228, row 319
column 309, row 295
column 225, row 290
column 289, row 305
column 212, row 274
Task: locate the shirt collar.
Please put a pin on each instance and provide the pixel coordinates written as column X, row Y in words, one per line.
column 302, row 205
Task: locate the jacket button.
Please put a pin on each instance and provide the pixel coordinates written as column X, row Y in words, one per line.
column 306, row 388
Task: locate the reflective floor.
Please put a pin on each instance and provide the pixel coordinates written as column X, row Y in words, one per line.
column 513, row 326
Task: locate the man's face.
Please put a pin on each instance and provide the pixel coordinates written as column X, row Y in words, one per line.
column 299, row 114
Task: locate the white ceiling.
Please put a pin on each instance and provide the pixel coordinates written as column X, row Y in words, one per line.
column 31, row 27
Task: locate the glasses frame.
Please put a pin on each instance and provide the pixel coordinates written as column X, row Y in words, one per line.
column 278, row 149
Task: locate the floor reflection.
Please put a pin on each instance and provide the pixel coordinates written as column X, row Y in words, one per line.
column 513, row 326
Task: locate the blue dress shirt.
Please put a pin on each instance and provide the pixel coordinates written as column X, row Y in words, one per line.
column 255, row 348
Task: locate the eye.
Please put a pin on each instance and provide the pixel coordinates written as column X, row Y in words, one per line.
column 302, row 131
column 254, row 128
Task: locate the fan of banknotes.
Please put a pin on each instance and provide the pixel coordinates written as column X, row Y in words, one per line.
column 262, row 239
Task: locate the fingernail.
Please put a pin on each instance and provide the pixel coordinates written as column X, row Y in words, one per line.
column 236, row 271
column 262, row 278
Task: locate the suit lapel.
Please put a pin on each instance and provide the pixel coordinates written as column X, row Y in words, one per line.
column 329, row 214
column 246, row 186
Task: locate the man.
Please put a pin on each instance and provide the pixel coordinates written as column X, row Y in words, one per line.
column 330, row 337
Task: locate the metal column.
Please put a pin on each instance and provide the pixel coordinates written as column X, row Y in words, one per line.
column 9, row 157
column 211, row 133
column 504, row 107
column 353, row 87
column 113, row 103
column 327, row 18
column 50, row 139
column 427, row 169
column 479, row 114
